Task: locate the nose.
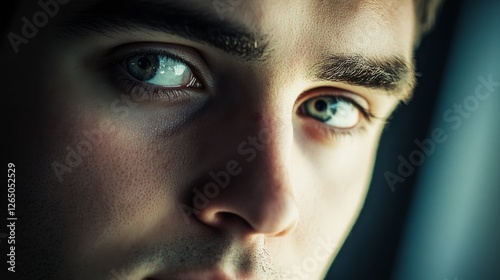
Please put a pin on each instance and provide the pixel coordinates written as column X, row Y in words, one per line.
column 256, row 191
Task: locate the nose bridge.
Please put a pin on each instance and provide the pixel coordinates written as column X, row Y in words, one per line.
column 271, row 137
column 255, row 187
column 264, row 189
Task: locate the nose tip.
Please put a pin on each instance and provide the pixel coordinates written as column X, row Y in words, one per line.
column 273, row 214
column 276, row 217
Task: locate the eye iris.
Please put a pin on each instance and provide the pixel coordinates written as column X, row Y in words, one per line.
column 320, row 108
column 143, row 67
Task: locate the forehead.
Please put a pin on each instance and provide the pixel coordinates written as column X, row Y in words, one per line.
column 378, row 27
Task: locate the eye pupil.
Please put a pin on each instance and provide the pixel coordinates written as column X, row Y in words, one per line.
column 320, row 105
column 144, row 62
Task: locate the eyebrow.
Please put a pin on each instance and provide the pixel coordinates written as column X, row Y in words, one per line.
column 391, row 74
column 173, row 18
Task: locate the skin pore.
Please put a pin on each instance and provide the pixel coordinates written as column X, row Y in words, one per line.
column 248, row 97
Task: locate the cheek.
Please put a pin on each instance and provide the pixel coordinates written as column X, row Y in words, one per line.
column 330, row 186
column 346, row 180
column 120, row 184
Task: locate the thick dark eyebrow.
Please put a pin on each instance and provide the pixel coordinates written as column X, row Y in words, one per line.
column 173, row 18
column 392, row 74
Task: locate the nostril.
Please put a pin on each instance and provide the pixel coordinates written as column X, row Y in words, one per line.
column 227, row 220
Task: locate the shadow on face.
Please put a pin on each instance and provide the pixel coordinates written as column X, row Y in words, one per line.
column 203, row 140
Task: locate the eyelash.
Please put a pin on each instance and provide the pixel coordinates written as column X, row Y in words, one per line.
column 118, row 71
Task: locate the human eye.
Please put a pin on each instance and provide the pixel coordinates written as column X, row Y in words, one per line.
column 158, row 74
column 161, row 71
column 337, row 115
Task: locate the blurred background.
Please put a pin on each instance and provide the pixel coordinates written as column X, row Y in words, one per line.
column 433, row 210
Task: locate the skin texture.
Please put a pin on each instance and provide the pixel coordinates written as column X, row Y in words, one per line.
column 118, row 213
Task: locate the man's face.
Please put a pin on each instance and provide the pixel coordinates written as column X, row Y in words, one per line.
column 215, row 139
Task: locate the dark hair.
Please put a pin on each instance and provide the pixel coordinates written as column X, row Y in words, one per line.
column 425, row 14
